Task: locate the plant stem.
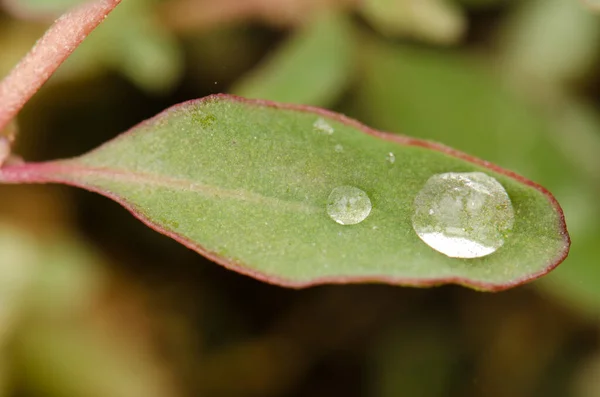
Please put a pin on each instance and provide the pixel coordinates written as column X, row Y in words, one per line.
column 63, row 37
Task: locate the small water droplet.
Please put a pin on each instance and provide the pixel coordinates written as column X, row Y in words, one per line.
column 338, row 148
column 348, row 205
column 323, row 126
column 463, row 215
column 391, row 158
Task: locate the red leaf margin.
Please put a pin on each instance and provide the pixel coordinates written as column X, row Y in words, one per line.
column 46, row 173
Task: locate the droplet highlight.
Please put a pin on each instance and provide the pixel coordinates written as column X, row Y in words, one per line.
column 323, row 126
column 348, row 205
column 463, row 215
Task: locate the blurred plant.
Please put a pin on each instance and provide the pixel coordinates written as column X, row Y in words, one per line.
column 512, row 95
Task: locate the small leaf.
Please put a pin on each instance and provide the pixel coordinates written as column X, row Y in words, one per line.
column 552, row 40
column 311, row 68
column 133, row 42
column 437, row 21
column 248, row 183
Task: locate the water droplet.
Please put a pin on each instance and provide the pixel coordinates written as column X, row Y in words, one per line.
column 348, row 205
column 463, row 215
column 323, row 126
column 391, row 158
column 338, row 148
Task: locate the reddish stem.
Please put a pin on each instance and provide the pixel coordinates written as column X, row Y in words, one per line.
column 48, row 54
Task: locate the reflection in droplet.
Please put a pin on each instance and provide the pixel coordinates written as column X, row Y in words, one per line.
column 338, row 148
column 323, row 126
column 463, row 215
column 348, row 205
column 391, row 158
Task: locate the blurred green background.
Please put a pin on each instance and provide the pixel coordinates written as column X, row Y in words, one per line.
column 92, row 303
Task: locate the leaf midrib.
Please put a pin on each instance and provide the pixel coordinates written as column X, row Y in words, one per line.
column 78, row 172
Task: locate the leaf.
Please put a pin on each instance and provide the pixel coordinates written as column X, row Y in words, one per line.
column 132, row 42
column 311, row 68
column 246, row 183
column 438, row 21
column 551, row 40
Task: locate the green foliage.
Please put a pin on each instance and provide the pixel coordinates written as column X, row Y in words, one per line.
column 514, row 82
column 132, row 41
column 311, row 68
column 551, row 40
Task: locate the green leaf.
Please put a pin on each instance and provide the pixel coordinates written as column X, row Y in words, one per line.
column 311, row 68
column 438, row 21
column 133, row 42
column 551, row 40
column 246, row 183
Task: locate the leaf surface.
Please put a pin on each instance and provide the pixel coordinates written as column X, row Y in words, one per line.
column 246, row 183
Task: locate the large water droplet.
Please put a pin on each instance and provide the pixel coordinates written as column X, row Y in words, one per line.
column 323, row 126
column 348, row 205
column 463, row 215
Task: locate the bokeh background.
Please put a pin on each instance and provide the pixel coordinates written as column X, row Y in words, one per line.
column 94, row 304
